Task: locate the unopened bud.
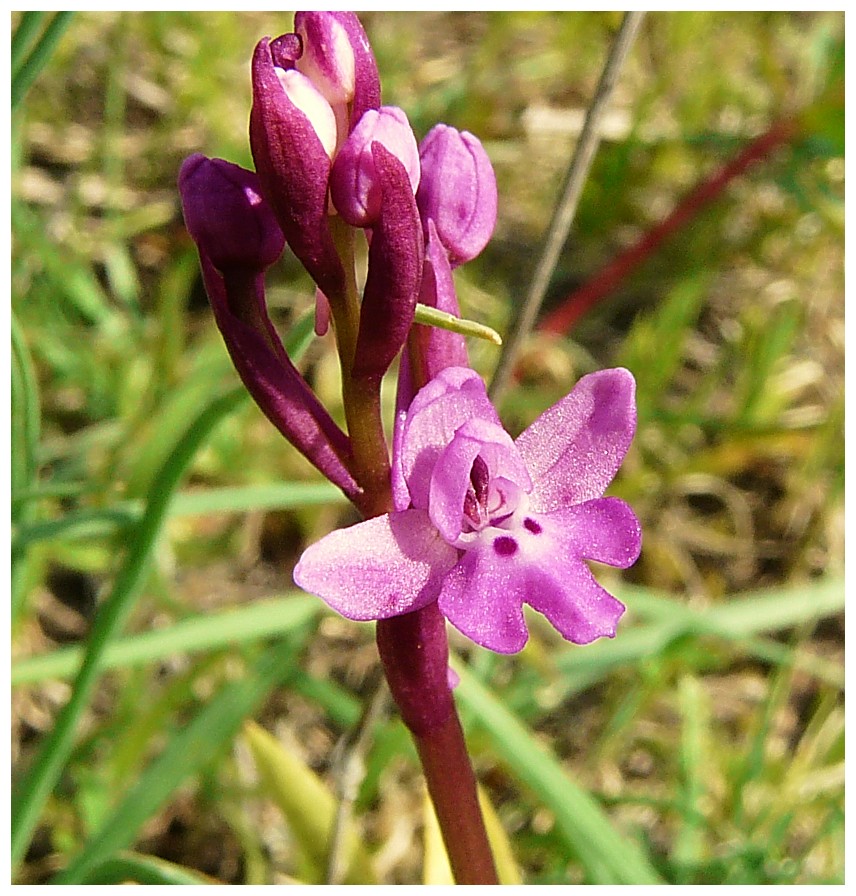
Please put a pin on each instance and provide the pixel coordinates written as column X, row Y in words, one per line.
column 226, row 215
column 354, row 182
column 457, row 191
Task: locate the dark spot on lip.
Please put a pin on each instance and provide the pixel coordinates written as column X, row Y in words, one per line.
column 505, row 546
column 532, row 525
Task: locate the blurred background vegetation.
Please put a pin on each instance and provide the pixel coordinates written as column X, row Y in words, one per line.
column 709, row 733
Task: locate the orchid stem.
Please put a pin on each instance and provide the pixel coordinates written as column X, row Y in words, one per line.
column 563, row 215
column 415, row 655
column 452, row 786
column 361, row 397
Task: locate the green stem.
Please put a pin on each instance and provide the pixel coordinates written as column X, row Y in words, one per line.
column 361, row 397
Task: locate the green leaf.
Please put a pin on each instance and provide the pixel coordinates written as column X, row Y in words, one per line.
column 306, row 803
column 606, row 855
column 45, row 771
column 233, row 627
column 189, row 749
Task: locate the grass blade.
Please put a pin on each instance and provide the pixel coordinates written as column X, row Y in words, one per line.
column 38, row 58
column 188, row 750
column 254, row 622
column 26, row 424
column 606, row 856
column 47, row 767
column 130, row 867
column 103, row 522
column 28, row 27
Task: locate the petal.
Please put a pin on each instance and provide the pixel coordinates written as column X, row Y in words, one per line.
column 574, row 603
column 574, row 449
column 605, row 530
column 366, row 78
column 395, row 271
column 483, row 598
column 451, row 476
column 541, row 563
column 439, row 409
column 386, row 566
column 328, row 56
column 403, row 398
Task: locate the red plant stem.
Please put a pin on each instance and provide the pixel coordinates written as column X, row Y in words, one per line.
column 562, row 319
column 415, row 655
column 452, row 785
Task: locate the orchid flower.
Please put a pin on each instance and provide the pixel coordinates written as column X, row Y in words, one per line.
column 491, row 523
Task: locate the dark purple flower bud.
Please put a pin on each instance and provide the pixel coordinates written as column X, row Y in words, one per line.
column 354, row 181
column 226, row 215
column 292, row 135
column 395, row 270
column 339, row 60
column 457, row 191
column 275, row 384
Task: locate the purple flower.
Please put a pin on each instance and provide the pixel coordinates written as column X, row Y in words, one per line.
column 354, row 181
column 493, row 523
column 238, row 238
column 457, row 191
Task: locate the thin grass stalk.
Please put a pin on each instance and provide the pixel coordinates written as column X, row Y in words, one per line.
column 22, row 39
column 563, row 215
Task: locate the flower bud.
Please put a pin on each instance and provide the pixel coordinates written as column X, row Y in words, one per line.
column 354, row 180
column 339, row 60
column 226, row 215
column 328, row 57
column 312, row 103
column 291, row 150
column 457, row 191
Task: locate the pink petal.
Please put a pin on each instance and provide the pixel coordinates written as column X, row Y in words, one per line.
column 576, row 605
column 574, row 449
column 541, row 563
column 453, row 397
column 605, row 530
column 384, row 567
column 484, row 599
column 451, row 476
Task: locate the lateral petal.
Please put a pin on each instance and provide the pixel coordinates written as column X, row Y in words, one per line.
column 385, row 566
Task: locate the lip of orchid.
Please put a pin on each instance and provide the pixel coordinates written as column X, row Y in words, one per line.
column 473, row 539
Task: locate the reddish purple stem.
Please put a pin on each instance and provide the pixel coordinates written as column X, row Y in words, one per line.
column 564, row 318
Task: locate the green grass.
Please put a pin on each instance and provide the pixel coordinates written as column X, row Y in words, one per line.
column 705, row 743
